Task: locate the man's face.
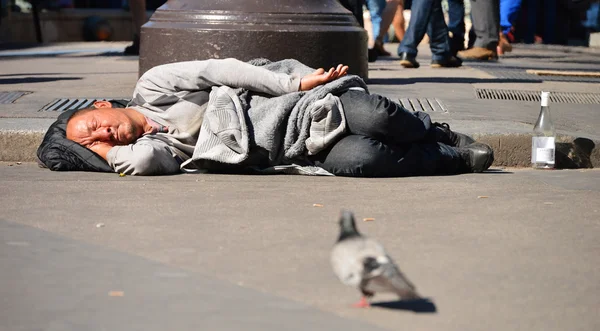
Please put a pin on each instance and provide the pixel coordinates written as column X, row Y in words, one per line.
column 108, row 126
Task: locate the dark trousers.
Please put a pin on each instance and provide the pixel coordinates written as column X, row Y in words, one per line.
column 355, row 6
column 426, row 17
column 386, row 140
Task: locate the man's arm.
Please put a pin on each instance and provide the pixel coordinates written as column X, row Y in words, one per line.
column 144, row 157
column 199, row 75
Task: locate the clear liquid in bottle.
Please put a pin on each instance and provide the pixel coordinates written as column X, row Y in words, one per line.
column 543, row 142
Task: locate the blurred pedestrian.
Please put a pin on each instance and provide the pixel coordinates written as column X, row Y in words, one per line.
column 427, row 17
column 356, row 8
column 398, row 22
column 376, row 8
column 485, row 15
column 388, row 15
column 509, row 13
column 138, row 18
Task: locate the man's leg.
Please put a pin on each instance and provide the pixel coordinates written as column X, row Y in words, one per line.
column 360, row 156
column 376, row 8
column 456, row 25
column 138, row 18
column 355, row 6
column 439, row 42
column 380, row 118
column 509, row 12
column 486, row 23
column 420, row 15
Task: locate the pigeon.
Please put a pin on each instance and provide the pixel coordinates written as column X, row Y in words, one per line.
column 363, row 262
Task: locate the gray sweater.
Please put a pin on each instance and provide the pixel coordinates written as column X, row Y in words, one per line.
column 231, row 113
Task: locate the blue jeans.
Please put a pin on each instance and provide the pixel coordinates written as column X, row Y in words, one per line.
column 426, row 17
column 376, row 8
column 509, row 12
column 456, row 19
column 386, row 140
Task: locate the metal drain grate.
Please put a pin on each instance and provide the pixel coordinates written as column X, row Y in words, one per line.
column 69, row 104
column 10, row 97
column 555, row 97
column 422, row 104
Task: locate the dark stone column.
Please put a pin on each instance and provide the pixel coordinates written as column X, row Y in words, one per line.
column 319, row 33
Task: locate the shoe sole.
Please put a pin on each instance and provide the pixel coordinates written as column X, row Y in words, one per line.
column 435, row 66
column 407, row 64
column 485, row 58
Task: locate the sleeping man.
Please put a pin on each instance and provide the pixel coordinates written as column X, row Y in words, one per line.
column 225, row 115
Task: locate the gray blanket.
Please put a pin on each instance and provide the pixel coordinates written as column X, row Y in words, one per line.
column 240, row 126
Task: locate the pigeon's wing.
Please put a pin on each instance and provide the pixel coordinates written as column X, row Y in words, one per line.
column 383, row 275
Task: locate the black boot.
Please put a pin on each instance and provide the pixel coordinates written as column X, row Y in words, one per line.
column 372, row 55
column 476, row 157
column 133, row 49
column 448, row 137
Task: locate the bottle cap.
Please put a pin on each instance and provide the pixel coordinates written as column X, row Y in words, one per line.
column 545, row 97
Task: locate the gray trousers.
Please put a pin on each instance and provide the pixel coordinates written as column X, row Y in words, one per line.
column 486, row 22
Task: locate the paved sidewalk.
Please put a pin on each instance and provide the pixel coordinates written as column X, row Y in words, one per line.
column 90, row 70
column 511, row 250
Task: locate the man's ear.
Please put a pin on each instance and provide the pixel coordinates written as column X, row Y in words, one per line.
column 102, row 104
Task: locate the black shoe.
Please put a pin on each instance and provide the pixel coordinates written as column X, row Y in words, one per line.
column 456, row 45
column 133, row 49
column 476, row 157
column 408, row 61
column 449, row 62
column 449, row 137
column 372, row 55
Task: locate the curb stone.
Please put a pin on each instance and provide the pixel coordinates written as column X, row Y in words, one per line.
column 510, row 150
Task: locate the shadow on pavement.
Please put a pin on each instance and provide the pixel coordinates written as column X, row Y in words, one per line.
column 417, row 306
column 498, row 172
column 575, row 155
column 458, row 80
column 25, row 80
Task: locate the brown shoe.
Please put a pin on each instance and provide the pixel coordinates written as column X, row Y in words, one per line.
column 479, row 53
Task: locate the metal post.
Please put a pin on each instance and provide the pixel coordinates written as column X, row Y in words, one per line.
column 319, row 33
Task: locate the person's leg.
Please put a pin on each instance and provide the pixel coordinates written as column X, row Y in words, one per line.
column 398, row 22
column 509, row 12
column 486, row 23
column 380, row 118
column 376, row 8
column 360, row 156
column 138, row 18
column 387, row 17
column 456, row 25
column 355, row 7
column 417, row 27
column 438, row 33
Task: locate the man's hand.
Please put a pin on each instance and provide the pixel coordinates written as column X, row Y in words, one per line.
column 320, row 76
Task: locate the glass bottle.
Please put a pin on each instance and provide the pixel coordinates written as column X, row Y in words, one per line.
column 543, row 145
